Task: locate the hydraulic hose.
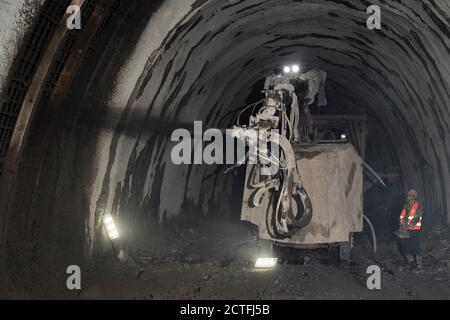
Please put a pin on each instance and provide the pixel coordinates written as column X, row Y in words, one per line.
column 374, row 236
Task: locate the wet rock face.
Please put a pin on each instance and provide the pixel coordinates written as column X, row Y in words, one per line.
column 207, row 64
column 19, row 14
column 199, row 60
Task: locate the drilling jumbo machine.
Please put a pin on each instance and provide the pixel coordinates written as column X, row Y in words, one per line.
column 314, row 197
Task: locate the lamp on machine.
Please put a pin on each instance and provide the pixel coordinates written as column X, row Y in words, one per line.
column 110, row 227
column 291, row 69
column 266, row 263
column 343, row 136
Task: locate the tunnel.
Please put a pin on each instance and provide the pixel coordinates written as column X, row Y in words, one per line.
column 94, row 135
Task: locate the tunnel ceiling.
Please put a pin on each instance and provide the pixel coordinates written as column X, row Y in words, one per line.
column 200, row 60
column 206, row 66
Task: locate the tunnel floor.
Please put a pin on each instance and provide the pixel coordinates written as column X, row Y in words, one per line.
column 215, row 261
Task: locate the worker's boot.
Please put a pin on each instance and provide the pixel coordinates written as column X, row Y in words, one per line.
column 419, row 264
column 409, row 260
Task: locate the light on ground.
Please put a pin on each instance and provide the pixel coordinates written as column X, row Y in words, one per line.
column 266, row 263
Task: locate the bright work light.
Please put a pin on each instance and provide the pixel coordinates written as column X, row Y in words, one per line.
column 266, row 263
column 110, row 227
column 295, row 69
column 287, row 69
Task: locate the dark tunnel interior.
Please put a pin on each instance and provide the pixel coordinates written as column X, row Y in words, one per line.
column 99, row 142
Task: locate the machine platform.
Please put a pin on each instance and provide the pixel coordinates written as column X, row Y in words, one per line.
column 333, row 176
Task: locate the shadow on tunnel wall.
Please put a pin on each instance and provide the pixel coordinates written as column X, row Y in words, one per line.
column 204, row 69
column 49, row 226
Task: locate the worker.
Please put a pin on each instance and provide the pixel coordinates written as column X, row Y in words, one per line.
column 409, row 231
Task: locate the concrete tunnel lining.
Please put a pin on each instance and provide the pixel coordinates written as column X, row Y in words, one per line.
column 201, row 60
column 191, row 63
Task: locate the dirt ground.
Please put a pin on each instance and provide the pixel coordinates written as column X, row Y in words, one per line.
column 218, row 264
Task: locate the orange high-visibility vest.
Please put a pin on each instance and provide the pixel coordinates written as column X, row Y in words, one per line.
column 411, row 216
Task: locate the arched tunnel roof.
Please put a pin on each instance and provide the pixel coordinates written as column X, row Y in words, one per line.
column 211, row 58
column 199, row 60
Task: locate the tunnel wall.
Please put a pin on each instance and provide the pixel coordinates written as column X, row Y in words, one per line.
column 399, row 75
column 15, row 20
column 140, row 178
column 198, row 60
